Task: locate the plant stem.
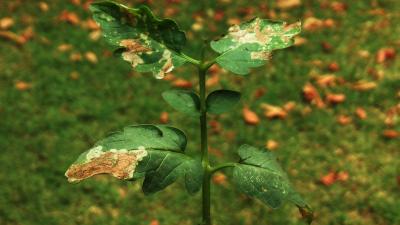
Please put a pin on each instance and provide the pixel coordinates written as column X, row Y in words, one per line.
column 204, row 148
column 220, row 167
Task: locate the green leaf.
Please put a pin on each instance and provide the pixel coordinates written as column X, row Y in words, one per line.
column 221, row 101
column 148, row 43
column 184, row 101
column 153, row 152
column 250, row 44
column 259, row 175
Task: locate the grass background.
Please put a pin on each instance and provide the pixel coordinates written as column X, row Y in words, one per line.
column 45, row 127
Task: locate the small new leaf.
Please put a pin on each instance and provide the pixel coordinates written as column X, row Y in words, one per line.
column 149, row 44
column 221, row 101
column 184, row 101
column 250, row 44
column 259, row 175
column 153, row 152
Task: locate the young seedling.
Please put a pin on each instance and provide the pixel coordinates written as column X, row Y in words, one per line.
column 157, row 152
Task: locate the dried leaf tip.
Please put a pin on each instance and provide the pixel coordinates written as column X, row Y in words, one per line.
column 120, row 163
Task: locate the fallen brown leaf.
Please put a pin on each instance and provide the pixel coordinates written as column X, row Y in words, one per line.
column 287, row 4
column 91, row 57
column 22, row 85
column 342, row 176
column 43, row 6
column 344, row 120
column 271, row 145
column 69, row 17
column 385, row 54
column 328, row 179
column 75, row 57
column 335, row 98
column 11, row 36
column 333, row 67
column 299, row 41
column 338, row 7
column 154, row 222
column 164, row 117
column 391, row 134
column 311, row 95
column 259, row 92
column 249, row 116
column 289, row 106
column 327, row 80
column 6, row 23
column 213, row 80
column 273, row 112
column 361, row 113
column 364, row 85
column 215, row 126
column 219, row 178
column 182, row 83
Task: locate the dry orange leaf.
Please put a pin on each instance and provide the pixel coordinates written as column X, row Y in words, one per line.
column 327, row 80
column 391, row 134
column 259, row 92
column 11, row 36
column 287, row 4
column 182, row 83
column 22, row 86
column 43, row 6
column 344, row 120
column 342, row 176
column 361, row 113
column 91, row 57
column 328, row 179
column 273, row 112
column 249, row 116
column 338, row 6
column 335, row 98
column 299, row 41
column 6, row 23
column 311, row 95
column 385, row 54
column 271, row 145
column 164, row 117
column 289, row 106
column 64, row 47
column 219, row 178
column 364, row 85
column 75, row 57
column 333, row 67
column 213, row 80
column 312, row 24
column 69, row 17
column 154, row 222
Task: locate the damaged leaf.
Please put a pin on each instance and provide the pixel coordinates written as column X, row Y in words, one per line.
column 259, row 175
column 153, row 152
column 149, row 44
column 250, row 44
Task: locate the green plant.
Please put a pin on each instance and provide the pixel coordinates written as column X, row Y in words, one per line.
column 157, row 152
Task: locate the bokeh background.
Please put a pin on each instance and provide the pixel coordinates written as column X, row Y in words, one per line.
column 328, row 107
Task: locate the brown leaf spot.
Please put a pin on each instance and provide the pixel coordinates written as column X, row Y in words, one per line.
column 120, row 164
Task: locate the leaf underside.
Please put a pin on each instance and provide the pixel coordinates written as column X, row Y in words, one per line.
column 259, row 175
column 250, row 44
column 149, row 44
column 153, row 152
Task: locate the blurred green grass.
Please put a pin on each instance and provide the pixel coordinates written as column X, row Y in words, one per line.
column 44, row 128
